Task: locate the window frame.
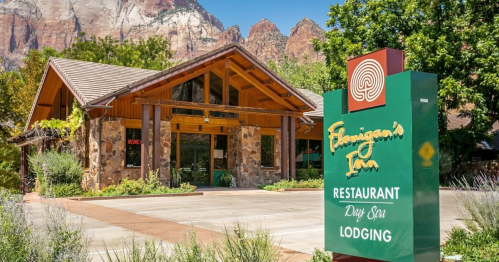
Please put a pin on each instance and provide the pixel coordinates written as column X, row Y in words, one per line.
column 126, row 150
column 274, row 167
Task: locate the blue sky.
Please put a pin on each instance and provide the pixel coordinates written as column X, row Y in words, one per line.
column 283, row 13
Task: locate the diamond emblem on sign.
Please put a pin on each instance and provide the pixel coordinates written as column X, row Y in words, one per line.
column 426, row 152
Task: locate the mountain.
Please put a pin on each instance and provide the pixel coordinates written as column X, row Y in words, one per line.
column 192, row 31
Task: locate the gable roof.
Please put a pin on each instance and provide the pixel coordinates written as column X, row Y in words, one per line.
column 199, row 61
column 318, row 113
column 91, row 81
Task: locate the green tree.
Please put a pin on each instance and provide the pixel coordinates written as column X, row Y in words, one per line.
column 151, row 53
column 457, row 40
column 306, row 75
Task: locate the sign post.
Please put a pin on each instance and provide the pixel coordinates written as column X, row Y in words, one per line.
column 381, row 163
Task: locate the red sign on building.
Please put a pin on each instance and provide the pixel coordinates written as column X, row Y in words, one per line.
column 366, row 77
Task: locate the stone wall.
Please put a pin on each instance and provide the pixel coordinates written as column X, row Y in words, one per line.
column 113, row 140
column 245, row 157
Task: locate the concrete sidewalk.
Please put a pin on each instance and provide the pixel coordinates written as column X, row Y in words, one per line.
column 144, row 225
column 295, row 218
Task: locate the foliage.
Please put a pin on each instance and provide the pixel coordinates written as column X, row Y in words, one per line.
column 306, row 174
column 151, row 53
column 73, row 122
column 150, row 186
column 236, row 244
column 457, row 40
column 225, row 178
column 9, row 161
column 445, row 163
column 9, row 178
column 241, row 245
column 55, row 237
column 56, row 168
column 305, row 75
column 481, row 204
column 283, row 184
column 474, row 246
column 320, row 255
column 66, row 190
column 176, row 177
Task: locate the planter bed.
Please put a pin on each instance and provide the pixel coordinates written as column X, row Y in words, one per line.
column 133, row 196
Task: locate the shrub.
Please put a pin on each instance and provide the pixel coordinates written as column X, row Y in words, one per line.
column 150, row 186
column 56, row 168
column 9, row 178
column 176, row 177
column 225, row 179
column 240, row 245
column 283, row 184
column 478, row 246
column 66, row 190
column 306, row 174
column 54, row 237
column 320, row 255
column 481, row 204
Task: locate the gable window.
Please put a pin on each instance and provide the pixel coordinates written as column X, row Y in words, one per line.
column 267, row 151
column 190, row 91
column 133, row 143
column 216, row 92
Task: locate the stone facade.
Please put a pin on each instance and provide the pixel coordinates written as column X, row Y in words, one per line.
column 113, row 141
column 245, row 157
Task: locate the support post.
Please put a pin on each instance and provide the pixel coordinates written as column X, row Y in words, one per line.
column 284, row 148
column 24, row 168
column 292, row 147
column 225, row 88
column 207, row 92
column 144, row 152
column 156, row 147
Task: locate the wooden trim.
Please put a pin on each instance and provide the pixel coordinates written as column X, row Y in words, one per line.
column 183, row 79
column 265, row 100
column 144, row 152
column 247, row 87
column 44, row 105
column 206, row 92
column 213, row 107
column 252, row 80
column 225, row 86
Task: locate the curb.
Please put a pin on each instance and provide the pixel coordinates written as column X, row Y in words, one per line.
column 445, row 188
column 134, row 196
column 302, row 189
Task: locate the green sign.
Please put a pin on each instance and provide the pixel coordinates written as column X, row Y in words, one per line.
column 381, row 173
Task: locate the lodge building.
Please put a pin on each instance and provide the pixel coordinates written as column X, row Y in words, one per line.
column 224, row 110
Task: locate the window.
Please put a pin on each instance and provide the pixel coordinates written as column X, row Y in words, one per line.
column 267, row 151
column 173, row 151
column 220, row 153
column 190, row 91
column 216, row 92
column 133, row 144
column 308, row 154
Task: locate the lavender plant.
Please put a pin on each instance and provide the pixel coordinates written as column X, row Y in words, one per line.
column 55, row 236
column 481, row 203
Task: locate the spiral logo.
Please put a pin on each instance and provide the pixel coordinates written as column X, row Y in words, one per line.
column 368, row 81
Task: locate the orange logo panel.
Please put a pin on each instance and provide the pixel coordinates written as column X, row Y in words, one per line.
column 366, row 77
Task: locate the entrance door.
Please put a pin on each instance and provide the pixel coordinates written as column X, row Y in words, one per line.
column 195, row 159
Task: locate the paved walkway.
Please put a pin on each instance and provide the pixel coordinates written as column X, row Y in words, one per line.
column 296, row 217
column 147, row 225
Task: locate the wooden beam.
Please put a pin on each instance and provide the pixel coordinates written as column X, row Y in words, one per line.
column 144, row 146
column 171, row 83
column 268, row 82
column 225, row 85
column 206, row 92
column 213, row 107
column 303, row 108
column 249, row 68
column 156, row 146
column 265, row 100
column 252, row 80
column 292, row 147
column 285, row 95
column 284, row 147
column 44, row 105
column 247, row 87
